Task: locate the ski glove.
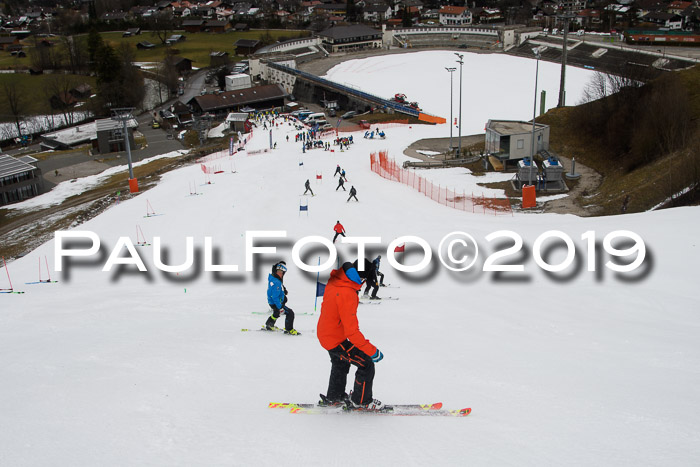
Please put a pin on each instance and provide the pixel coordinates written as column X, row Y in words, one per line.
column 377, row 357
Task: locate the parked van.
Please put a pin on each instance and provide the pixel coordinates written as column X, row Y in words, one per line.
column 313, row 118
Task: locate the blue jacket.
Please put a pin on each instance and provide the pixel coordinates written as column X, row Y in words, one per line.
column 376, row 263
column 275, row 291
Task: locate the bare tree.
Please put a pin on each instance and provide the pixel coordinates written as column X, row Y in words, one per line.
column 75, row 53
column 57, row 89
column 15, row 103
column 161, row 25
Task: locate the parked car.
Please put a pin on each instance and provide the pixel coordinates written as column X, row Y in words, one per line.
column 331, row 112
column 349, row 114
column 155, row 124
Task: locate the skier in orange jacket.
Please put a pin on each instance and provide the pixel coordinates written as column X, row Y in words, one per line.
column 339, row 333
column 339, row 230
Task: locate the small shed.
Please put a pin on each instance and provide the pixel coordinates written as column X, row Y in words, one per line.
column 247, row 46
column 512, row 140
column 236, row 121
column 182, row 64
column 217, row 59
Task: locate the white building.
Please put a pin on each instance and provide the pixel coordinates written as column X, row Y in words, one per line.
column 455, row 16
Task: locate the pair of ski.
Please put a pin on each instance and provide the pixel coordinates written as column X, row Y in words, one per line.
column 273, row 330
column 405, row 410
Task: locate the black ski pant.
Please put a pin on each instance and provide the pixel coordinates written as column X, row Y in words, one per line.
column 353, row 196
column 381, row 278
column 288, row 317
column 336, row 235
column 342, row 356
column 375, row 289
column 340, row 185
column 308, row 188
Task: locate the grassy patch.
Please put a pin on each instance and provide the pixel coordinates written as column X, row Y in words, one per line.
column 34, row 88
column 197, row 46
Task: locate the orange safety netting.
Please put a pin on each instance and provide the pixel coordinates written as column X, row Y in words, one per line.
column 387, row 168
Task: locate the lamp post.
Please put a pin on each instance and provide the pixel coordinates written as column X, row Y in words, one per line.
column 534, row 113
column 450, row 70
column 461, row 63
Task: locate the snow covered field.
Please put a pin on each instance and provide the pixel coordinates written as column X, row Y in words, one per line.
column 495, row 86
column 565, row 368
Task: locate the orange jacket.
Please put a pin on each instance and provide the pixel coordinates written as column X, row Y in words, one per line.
column 338, row 319
column 339, row 228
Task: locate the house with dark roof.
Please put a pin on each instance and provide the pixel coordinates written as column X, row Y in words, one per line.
column 247, row 46
column 181, row 64
column 218, row 58
column 257, row 97
column 214, row 25
column 354, row 37
column 193, row 25
column 377, row 12
column 668, row 20
column 6, row 42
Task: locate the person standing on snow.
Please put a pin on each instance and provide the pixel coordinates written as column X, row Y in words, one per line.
column 337, row 170
column 353, row 194
column 371, row 281
column 376, row 262
column 308, row 187
column 277, row 299
column 341, row 184
column 342, row 174
column 339, row 230
column 339, row 333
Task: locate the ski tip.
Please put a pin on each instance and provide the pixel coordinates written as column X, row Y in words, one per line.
column 436, row 406
column 463, row 412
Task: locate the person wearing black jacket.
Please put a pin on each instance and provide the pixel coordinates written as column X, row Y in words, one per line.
column 308, row 187
column 353, row 194
column 371, row 281
column 341, row 184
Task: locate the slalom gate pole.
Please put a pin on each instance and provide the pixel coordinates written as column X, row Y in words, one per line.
column 48, row 271
column 8, row 273
column 318, row 275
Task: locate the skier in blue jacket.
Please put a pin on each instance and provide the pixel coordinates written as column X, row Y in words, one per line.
column 380, row 276
column 277, row 299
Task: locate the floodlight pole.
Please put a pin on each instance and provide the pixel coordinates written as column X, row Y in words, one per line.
column 534, row 112
column 451, row 71
column 461, row 64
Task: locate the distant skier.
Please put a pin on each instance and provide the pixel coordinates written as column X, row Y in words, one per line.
column 308, row 187
column 277, row 299
column 339, row 230
column 342, row 174
column 341, row 184
column 376, row 262
column 353, row 194
column 339, row 333
column 371, row 281
column 337, row 170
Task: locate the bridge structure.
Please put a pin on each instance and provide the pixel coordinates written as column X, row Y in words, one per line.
column 356, row 93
